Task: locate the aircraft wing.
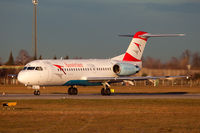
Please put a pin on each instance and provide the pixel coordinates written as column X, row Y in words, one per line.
column 120, row 79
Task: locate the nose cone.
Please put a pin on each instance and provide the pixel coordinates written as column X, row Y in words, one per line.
column 21, row 77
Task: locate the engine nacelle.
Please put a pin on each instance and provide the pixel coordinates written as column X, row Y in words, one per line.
column 125, row 69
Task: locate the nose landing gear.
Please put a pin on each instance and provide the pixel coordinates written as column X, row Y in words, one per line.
column 36, row 91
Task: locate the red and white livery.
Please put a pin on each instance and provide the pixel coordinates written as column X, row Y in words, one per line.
column 84, row 72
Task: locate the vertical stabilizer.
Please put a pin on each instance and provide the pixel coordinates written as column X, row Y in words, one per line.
column 136, row 47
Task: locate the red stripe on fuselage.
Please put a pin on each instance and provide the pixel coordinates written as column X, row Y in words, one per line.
column 60, row 67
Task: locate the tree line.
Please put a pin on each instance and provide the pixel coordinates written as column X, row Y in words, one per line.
column 23, row 58
column 186, row 59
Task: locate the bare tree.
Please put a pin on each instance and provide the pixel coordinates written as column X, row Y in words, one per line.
column 147, row 62
column 10, row 60
column 55, row 57
column 185, row 58
column 66, row 57
column 196, row 61
column 150, row 62
column 173, row 63
column 77, row 57
column 23, row 57
column 40, row 58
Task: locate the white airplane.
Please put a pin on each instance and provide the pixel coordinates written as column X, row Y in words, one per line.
column 90, row 72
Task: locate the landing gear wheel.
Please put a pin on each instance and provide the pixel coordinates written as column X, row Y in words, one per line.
column 75, row 91
column 103, row 92
column 72, row 91
column 106, row 91
column 37, row 92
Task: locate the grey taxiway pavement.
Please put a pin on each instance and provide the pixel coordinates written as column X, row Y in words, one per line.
column 99, row 96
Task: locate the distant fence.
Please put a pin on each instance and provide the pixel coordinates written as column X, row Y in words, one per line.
column 169, row 72
column 166, row 72
column 176, row 82
column 9, row 74
column 9, row 81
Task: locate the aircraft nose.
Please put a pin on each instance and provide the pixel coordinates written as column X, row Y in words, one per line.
column 21, row 77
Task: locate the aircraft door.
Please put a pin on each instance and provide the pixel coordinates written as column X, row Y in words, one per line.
column 47, row 72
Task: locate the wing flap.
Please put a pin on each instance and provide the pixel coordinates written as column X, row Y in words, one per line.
column 120, row 79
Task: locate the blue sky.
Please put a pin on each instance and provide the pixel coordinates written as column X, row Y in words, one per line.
column 90, row 28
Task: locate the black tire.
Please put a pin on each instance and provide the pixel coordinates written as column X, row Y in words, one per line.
column 35, row 92
column 75, row 91
column 103, row 92
column 70, row 91
column 38, row 92
column 108, row 92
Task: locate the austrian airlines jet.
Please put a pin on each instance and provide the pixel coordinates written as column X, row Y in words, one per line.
column 90, row 72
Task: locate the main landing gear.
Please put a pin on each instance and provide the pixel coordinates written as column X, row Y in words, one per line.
column 72, row 90
column 105, row 91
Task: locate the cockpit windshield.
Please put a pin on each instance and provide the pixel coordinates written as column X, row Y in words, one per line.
column 30, row 68
column 38, row 68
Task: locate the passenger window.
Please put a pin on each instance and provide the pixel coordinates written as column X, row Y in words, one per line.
column 25, row 68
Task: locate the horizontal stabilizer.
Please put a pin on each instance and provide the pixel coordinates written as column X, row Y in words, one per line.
column 161, row 35
column 147, row 35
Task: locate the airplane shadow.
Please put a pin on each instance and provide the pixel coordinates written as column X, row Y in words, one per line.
column 129, row 94
column 151, row 94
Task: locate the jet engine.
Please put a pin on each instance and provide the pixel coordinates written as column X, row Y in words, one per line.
column 125, row 69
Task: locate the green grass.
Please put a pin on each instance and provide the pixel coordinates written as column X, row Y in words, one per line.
column 133, row 115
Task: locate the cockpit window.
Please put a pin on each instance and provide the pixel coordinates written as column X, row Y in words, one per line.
column 33, row 68
column 39, row 68
column 30, row 68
